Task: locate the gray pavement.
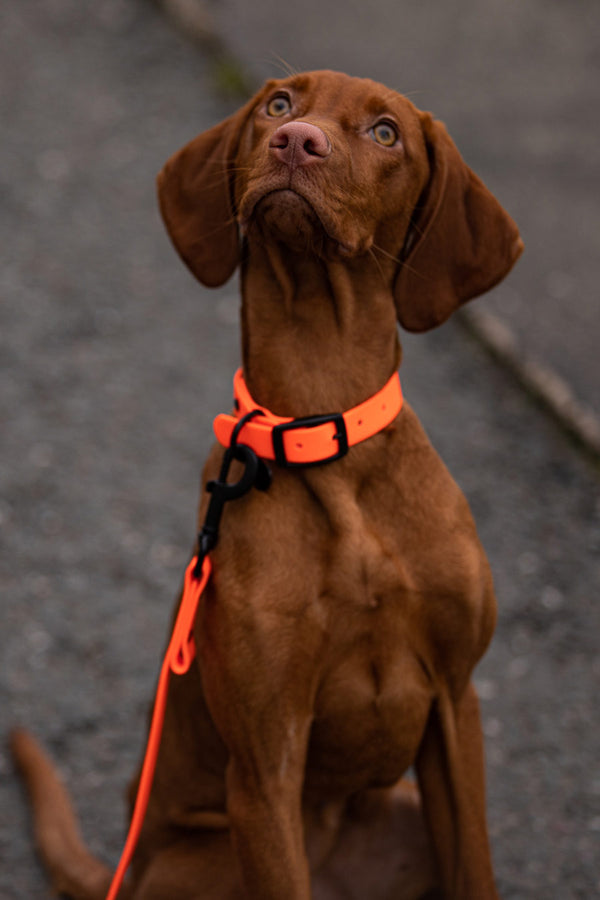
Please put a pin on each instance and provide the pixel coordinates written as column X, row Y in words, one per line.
column 114, row 362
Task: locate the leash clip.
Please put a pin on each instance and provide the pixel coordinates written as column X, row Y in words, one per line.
column 256, row 474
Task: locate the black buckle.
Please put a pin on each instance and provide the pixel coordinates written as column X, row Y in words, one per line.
column 341, row 436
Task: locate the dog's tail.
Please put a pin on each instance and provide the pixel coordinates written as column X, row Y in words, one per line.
column 74, row 871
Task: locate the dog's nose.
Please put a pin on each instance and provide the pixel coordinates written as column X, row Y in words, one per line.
column 299, row 144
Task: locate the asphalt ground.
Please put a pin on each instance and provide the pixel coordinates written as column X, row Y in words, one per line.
column 114, row 363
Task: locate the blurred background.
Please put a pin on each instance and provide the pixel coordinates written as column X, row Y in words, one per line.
column 114, row 362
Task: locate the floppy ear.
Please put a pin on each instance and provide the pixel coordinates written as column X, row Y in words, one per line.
column 195, row 197
column 460, row 244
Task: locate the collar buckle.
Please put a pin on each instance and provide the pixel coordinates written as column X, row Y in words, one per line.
column 341, row 436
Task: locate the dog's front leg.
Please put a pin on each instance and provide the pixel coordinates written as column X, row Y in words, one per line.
column 450, row 769
column 264, row 805
column 260, row 688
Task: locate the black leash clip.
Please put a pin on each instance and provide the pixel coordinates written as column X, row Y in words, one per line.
column 256, row 474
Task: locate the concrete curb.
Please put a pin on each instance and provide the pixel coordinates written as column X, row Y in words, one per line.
column 192, row 17
column 547, row 387
column 541, row 382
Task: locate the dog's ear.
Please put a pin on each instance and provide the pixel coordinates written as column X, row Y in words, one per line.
column 460, row 243
column 196, row 200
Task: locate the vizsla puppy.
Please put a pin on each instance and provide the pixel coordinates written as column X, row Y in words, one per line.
column 351, row 600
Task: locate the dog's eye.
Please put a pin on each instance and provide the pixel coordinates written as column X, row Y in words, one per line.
column 384, row 133
column 279, row 105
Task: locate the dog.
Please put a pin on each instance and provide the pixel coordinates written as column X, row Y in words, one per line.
column 351, row 600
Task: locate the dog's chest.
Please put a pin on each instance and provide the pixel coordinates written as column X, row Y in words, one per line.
column 370, row 712
column 374, row 695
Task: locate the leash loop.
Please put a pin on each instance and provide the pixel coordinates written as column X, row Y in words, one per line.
column 242, row 421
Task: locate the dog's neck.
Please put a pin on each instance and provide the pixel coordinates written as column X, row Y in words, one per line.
column 318, row 335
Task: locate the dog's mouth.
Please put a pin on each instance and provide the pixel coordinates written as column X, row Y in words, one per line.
column 286, row 214
column 292, row 219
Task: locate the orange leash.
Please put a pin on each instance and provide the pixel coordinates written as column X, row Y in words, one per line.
column 178, row 658
column 182, row 649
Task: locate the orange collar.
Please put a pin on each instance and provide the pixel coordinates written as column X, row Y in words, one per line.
column 308, row 441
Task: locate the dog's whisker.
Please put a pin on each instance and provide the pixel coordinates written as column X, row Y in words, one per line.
column 373, row 255
column 282, row 64
column 223, row 163
column 397, row 259
column 218, row 228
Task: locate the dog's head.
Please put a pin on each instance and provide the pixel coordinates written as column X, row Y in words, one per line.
column 329, row 164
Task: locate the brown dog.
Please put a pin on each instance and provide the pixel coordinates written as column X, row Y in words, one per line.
column 350, row 601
